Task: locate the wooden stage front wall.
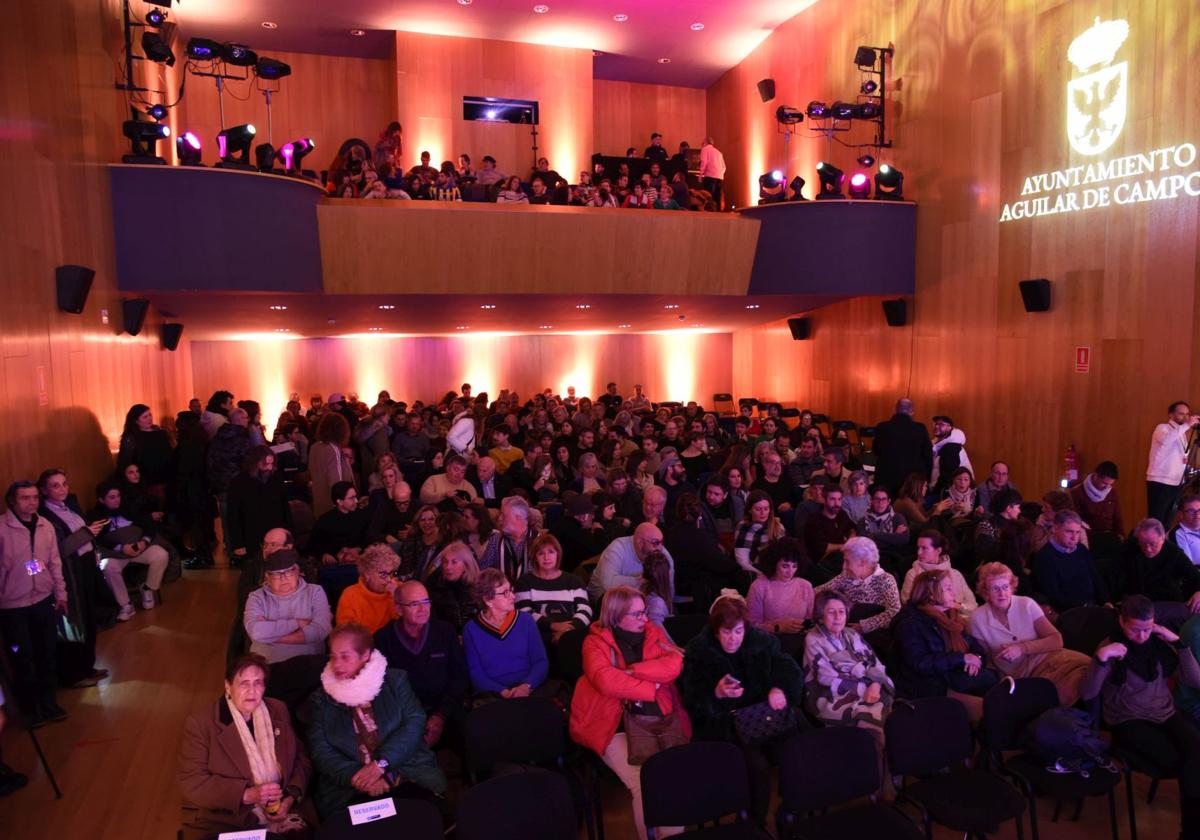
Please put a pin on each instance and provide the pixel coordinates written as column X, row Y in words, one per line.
column 978, row 107
column 669, row 366
column 67, row 380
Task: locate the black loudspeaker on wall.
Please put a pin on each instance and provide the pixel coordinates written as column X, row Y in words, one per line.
column 133, row 314
column 896, row 312
column 801, row 328
column 766, row 89
column 171, row 333
column 1035, row 294
column 72, row 284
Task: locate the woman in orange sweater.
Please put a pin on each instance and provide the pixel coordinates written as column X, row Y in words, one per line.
column 371, row 601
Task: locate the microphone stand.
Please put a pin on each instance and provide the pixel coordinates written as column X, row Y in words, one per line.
column 10, row 697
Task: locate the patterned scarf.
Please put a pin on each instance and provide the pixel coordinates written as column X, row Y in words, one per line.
column 880, row 523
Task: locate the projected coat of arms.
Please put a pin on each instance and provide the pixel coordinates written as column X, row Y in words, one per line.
column 1098, row 100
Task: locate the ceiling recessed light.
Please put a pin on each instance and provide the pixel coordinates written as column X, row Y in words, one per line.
column 697, row 26
column 279, row 307
column 374, row 329
column 697, row 325
column 282, row 329
column 624, row 326
column 541, row 9
column 752, row 306
column 487, row 306
column 545, row 327
column 461, row 327
column 671, row 306
column 620, row 18
column 583, row 306
column 664, row 61
column 357, row 33
column 386, row 306
column 464, row 2
column 270, row 24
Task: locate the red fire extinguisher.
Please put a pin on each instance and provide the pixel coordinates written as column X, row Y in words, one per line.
column 1072, row 464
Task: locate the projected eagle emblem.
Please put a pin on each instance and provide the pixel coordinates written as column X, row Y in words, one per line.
column 1097, row 102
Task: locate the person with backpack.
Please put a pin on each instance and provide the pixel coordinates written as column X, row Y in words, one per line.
column 1130, row 673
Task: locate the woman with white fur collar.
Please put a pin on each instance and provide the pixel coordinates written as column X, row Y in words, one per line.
column 366, row 736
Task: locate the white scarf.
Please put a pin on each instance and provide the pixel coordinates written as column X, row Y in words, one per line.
column 360, row 689
column 1093, row 492
column 260, row 748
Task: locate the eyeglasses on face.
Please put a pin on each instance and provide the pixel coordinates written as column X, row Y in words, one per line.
column 639, row 614
column 424, row 602
column 501, row 592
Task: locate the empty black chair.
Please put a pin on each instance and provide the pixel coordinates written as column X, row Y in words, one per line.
column 569, row 651
column 521, row 730
column 683, row 628
column 829, row 767
column 790, row 413
column 699, row 783
column 747, row 401
column 1007, row 709
column 718, row 399
column 518, row 806
column 416, row 819
column 1084, row 628
column 930, row 740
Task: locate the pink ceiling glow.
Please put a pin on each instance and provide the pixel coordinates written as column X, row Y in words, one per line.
column 630, row 50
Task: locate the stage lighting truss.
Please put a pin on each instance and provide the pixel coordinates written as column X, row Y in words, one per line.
column 868, row 104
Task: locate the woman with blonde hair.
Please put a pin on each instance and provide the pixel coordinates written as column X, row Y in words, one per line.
column 629, row 663
column 450, row 584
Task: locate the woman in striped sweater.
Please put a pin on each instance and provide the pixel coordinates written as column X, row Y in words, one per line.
column 558, row 600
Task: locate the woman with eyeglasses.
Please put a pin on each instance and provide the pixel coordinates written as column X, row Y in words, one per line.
column 628, row 661
column 1020, row 641
column 505, row 654
column 371, row 602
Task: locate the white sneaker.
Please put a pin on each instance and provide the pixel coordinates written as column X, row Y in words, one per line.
column 126, row 613
column 148, row 602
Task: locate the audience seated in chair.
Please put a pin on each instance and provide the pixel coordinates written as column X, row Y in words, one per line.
column 505, row 654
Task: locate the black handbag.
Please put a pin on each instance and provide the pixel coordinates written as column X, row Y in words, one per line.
column 760, row 724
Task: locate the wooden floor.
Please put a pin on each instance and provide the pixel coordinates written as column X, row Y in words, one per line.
column 115, row 758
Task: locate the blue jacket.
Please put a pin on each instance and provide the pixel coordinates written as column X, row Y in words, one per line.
column 1068, row 580
column 334, row 747
column 924, row 661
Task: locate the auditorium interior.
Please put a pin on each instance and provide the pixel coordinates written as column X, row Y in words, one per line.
column 854, row 214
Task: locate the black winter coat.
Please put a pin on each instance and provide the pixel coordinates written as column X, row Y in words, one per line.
column 256, row 507
column 759, row 664
column 225, row 456
column 902, row 447
column 922, row 658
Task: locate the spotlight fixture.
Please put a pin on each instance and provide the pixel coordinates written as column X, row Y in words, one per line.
column 156, row 49
column 817, row 110
column 233, row 145
column 868, row 87
column 860, row 185
column 156, row 18
column 187, row 149
column 771, row 187
column 797, row 187
column 143, row 139
column 164, row 3
column 831, row 181
column 239, row 55
column 889, row 184
column 157, row 112
column 866, row 110
column 203, row 49
column 293, row 153
column 264, row 157
column 842, row 110
column 271, row 69
column 865, row 57
column 787, row 115
column 867, row 160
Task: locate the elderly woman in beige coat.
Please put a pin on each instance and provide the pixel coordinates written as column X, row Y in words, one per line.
column 241, row 765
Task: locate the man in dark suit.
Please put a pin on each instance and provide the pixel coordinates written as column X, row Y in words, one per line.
column 902, row 447
column 490, row 485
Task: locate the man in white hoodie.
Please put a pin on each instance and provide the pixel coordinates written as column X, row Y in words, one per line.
column 1168, row 457
column 945, row 435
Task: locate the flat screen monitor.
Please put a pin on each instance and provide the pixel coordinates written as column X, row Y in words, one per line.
column 493, row 109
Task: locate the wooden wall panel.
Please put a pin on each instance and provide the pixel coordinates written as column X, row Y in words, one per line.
column 371, row 247
column 434, row 72
column 67, row 380
column 328, row 98
column 627, row 113
column 669, row 366
column 978, row 107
